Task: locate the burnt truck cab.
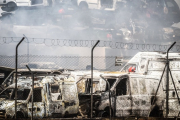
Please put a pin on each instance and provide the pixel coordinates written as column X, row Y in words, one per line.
column 83, row 81
column 152, row 64
column 55, row 97
column 131, row 95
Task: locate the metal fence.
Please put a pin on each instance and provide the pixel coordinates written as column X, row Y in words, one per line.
column 66, row 62
column 62, row 95
column 133, row 44
column 58, row 96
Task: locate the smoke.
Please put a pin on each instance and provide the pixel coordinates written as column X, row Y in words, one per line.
column 132, row 21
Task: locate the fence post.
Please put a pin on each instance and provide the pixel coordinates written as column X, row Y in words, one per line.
column 167, row 80
column 32, row 98
column 16, row 59
column 92, row 77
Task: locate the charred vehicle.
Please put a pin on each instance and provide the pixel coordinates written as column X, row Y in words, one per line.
column 8, row 97
column 131, row 95
column 39, row 67
column 153, row 64
column 55, row 95
column 83, row 81
column 56, row 98
column 133, row 89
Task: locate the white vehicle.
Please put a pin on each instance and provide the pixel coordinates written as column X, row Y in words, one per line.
column 97, row 4
column 131, row 95
column 133, row 89
column 10, row 5
column 153, row 64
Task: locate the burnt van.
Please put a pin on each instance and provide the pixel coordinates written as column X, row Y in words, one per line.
column 55, row 95
column 131, row 95
column 153, row 64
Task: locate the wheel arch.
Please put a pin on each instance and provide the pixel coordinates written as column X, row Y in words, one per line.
column 11, row 2
column 82, row 4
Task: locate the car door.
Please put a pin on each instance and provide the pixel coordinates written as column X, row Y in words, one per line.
column 55, row 100
column 70, row 97
column 122, row 98
column 140, row 97
column 39, row 105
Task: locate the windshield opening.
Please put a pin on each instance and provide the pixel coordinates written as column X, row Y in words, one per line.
column 37, row 95
column 22, row 94
column 111, row 82
column 55, row 93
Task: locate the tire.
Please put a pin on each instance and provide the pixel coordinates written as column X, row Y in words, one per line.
column 66, row 115
column 20, row 115
column 156, row 112
column 103, row 114
column 83, row 6
column 11, row 6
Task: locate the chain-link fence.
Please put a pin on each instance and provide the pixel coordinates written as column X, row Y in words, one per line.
column 56, row 94
column 133, row 44
column 66, row 62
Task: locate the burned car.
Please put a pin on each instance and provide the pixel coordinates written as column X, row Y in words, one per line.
column 54, row 95
column 8, row 100
column 56, row 98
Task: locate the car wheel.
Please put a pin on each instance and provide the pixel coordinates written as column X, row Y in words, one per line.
column 9, row 7
column 83, row 6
